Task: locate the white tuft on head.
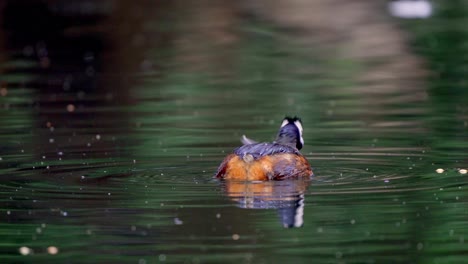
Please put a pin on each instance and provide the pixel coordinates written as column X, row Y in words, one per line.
column 285, row 122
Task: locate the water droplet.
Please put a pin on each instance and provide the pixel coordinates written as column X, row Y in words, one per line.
column 440, row 170
column 3, row 91
column 177, row 221
column 235, row 236
column 25, row 251
column 420, row 246
column 52, row 250
column 70, row 108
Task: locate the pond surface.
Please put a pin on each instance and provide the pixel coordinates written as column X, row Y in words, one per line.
column 115, row 117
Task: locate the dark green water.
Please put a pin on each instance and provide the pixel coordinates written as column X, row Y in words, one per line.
column 115, row 117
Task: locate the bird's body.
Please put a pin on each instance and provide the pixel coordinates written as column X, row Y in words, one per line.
column 268, row 161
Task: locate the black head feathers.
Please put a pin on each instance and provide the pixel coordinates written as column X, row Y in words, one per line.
column 290, row 132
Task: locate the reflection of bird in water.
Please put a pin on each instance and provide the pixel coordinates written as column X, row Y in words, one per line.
column 286, row 196
column 278, row 160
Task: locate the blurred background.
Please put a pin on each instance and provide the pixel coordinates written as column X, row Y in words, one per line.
column 115, row 115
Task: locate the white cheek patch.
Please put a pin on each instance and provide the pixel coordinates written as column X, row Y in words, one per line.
column 285, row 122
column 298, row 125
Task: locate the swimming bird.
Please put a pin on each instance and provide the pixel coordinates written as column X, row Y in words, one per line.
column 277, row 160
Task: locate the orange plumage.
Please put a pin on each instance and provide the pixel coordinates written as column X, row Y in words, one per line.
column 272, row 167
